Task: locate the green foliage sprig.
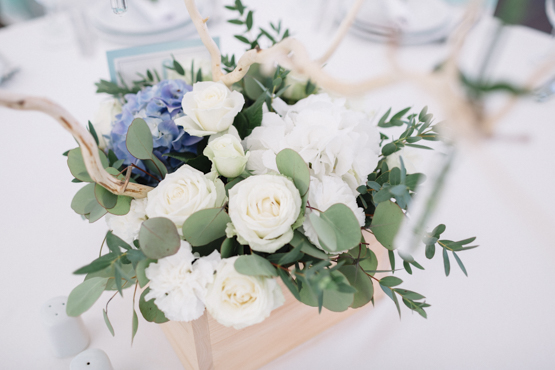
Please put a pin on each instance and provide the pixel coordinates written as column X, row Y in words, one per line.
column 419, row 127
column 119, row 91
column 245, row 17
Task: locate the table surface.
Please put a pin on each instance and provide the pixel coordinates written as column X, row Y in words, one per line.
column 500, row 317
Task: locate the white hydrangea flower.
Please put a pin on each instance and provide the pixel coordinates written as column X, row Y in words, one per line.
column 127, row 226
column 239, row 300
column 332, row 139
column 178, row 285
column 324, row 193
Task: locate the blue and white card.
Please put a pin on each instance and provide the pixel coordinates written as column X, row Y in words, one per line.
column 126, row 64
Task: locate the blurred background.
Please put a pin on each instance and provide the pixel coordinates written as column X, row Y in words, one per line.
column 13, row 11
column 499, row 317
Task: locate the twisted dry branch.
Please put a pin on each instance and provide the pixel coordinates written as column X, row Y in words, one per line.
column 291, row 54
column 86, row 141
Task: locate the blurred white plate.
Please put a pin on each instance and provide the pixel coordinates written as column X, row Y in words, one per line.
column 144, row 22
column 425, row 21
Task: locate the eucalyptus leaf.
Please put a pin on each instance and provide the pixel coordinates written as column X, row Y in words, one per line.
column 122, row 207
column 139, row 139
column 140, row 271
column 395, row 176
column 390, row 281
column 83, row 296
column 325, row 232
column 391, row 294
column 205, row 226
column 108, row 323
column 288, row 281
column 98, row 264
column 159, row 238
column 460, row 263
column 410, row 294
column 228, row 248
column 293, row 255
column 254, row 265
column 77, row 167
column 95, row 211
column 362, row 283
column 335, row 300
column 104, row 197
column 307, row 247
column 337, row 228
column 82, row 198
column 150, row 311
column 292, row 165
column 332, row 300
column 446, row 263
column 386, row 223
column 134, row 325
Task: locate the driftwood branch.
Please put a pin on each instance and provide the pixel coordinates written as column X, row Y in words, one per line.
column 341, row 31
column 83, row 137
column 291, row 54
column 209, row 43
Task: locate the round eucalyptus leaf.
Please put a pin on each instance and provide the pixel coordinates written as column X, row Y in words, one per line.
column 150, row 311
column 205, row 226
column 337, row 228
column 308, row 296
column 122, row 207
column 95, row 211
column 254, row 265
column 387, row 220
column 325, row 232
column 362, row 283
column 337, row 301
column 291, row 164
column 77, row 165
column 158, row 238
column 104, row 197
column 139, row 139
column 83, row 296
column 82, row 198
column 334, row 300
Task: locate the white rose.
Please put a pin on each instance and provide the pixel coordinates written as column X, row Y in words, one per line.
column 127, row 226
column 184, row 192
column 103, row 120
column 227, row 155
column 179, row 286
column 210, row 108
column 322, row 195
column 239, row 300
column 262, row 209
column 412, row 159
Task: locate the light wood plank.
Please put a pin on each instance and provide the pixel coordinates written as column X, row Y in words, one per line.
column 250, row 348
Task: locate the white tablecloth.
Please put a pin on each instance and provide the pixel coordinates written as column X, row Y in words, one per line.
column 500, row 317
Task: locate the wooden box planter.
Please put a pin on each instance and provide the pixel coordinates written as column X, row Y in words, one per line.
column 204, row 344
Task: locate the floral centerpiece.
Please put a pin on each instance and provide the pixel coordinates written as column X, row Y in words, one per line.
column 269, row 178
column 214, row 186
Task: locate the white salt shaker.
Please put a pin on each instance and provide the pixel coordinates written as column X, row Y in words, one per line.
column 91, row 359
column 67, row 335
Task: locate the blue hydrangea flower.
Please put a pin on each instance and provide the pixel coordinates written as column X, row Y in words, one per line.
column 158, row 105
